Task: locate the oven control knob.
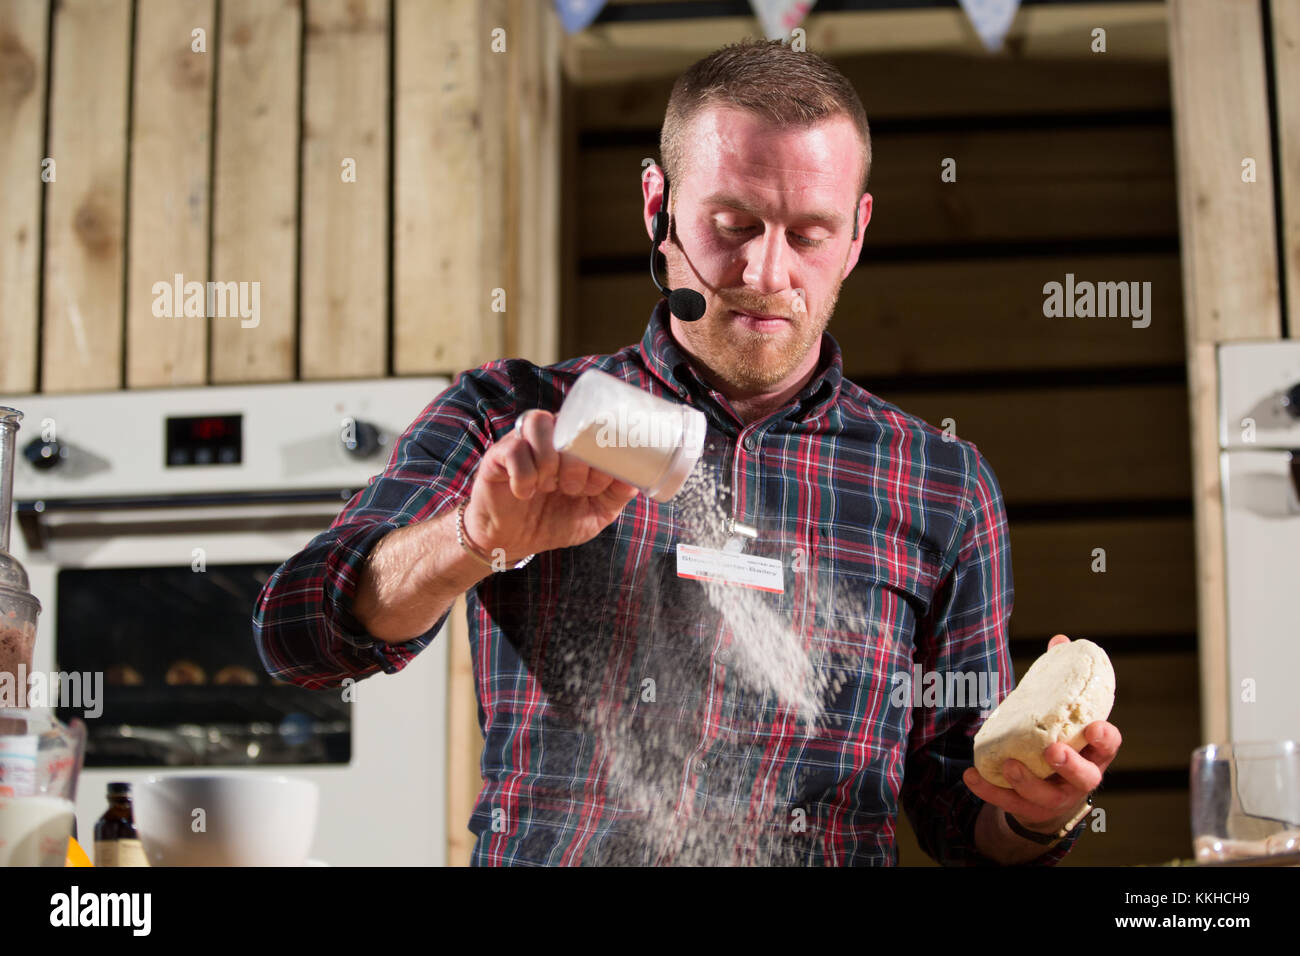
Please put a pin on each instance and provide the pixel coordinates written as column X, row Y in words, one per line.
column 1291, row 401
column 45, row 454
column 360, row 439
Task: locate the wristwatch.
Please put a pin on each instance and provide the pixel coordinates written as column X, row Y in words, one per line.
column 1049, row 839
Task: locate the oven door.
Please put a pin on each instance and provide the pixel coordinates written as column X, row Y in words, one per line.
column 150, row 604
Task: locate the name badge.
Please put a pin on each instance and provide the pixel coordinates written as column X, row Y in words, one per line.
column 743, row 570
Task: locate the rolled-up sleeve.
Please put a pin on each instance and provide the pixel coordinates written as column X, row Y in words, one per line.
column 303, row 621
column 965, row 634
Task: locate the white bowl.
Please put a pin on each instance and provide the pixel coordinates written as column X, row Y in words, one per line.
column 226, row 819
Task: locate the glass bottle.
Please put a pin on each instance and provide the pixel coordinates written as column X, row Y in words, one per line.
column 116, row 841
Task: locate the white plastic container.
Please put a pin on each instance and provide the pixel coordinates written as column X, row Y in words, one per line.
column 647, row 441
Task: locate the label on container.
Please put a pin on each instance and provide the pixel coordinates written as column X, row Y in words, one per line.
column 742, row 570
column 18, row 765
column 120, row 853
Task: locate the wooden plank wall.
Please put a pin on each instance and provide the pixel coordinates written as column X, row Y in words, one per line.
column 1064, row 166
column 384, row 172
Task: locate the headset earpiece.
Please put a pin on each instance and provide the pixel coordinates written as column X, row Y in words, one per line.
column 660, row 221
column 687, row 304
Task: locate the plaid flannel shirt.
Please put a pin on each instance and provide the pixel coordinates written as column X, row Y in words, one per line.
column 893, row 540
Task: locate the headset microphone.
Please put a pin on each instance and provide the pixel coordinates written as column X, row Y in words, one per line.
column 687, row 304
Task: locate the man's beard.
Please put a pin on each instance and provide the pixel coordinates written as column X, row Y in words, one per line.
column 747, row 360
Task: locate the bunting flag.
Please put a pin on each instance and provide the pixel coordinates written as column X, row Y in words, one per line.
column 577, row 14
column 779, row 17
column 991, row 19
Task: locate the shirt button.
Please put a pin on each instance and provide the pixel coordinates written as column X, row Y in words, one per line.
column 749, row 443
column 701, row 767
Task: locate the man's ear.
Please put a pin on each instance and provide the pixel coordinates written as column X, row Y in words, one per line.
column 862, row 211
column 652, row 196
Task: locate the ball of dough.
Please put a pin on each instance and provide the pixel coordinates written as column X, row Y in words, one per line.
column 1064, row 691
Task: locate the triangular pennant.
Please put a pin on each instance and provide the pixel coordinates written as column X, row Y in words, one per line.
column 778, row 18
column 577, row 14
column 991, row 19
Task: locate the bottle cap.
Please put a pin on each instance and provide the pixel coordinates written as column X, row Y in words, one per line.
column 684, row 457
column 119, row 790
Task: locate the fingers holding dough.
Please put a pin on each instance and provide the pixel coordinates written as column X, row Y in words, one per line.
column 1064, row 691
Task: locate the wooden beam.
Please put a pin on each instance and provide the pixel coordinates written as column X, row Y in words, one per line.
column 912, row 85
column 1057, row 588
column 23, row 58
column 445, row 179
column 85, row 235
column 1230, row 283
column 609, row 53
column 344, row 280
column 533, row 183
column 569, row 316
column 1286, row 81
column 1104, row 442
column 255, row 186
column 464, row 738
column 1009, row 189
column 170, row 152
column 909, row 318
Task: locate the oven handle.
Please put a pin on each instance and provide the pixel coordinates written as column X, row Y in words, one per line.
column 31, row 513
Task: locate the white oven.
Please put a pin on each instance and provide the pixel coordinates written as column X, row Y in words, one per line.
column 1259, row 440
column 148, row 521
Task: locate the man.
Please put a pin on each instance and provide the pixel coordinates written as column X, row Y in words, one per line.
column 620, row 724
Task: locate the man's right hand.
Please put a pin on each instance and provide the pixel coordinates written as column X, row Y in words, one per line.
column 528, row 498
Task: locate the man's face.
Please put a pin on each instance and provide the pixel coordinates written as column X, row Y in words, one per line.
column 762, row 223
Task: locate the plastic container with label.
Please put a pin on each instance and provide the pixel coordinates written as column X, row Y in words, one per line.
column 647, row 441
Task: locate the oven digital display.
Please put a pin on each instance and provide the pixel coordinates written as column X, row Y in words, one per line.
column 205, row 440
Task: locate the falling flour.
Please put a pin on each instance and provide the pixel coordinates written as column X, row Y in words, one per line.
column 661, row 701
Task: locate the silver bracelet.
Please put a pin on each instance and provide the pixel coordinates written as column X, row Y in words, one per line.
column 460, row 539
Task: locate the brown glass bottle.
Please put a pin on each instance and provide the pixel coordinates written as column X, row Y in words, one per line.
column 116, row 841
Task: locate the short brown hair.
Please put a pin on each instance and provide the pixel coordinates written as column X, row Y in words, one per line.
column 767, row 78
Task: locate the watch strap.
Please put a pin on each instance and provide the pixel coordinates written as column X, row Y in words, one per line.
column 1048, row 839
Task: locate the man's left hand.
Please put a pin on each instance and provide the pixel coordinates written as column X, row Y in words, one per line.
column 1044, row 806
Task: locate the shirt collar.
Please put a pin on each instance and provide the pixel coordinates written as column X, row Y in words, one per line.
column 672, row 366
